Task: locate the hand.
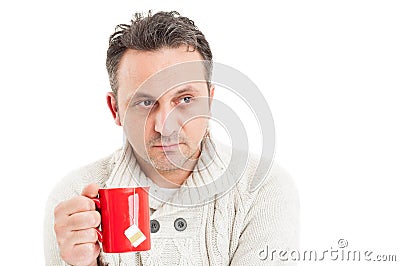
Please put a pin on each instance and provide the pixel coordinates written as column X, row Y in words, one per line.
column 75, row 221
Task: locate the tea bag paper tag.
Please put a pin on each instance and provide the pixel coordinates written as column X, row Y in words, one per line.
column 133, row 232
column 134, row 235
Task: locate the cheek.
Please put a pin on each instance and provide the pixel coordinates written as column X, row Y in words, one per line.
column 195, row 129
column 144, row 130
column 135, row 130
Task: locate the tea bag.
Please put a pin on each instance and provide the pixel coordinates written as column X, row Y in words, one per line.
column 133, row 233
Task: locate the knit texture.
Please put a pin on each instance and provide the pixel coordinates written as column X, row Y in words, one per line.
column 228, row 222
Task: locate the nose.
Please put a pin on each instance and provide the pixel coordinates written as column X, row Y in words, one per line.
column 166, row 121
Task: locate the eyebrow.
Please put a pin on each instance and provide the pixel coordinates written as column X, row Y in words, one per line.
column 144, row 95
column 141, row 95
column 186, row 88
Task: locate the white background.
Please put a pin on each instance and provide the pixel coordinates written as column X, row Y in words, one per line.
column 330, row 71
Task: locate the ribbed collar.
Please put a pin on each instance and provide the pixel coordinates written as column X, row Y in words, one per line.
column 207, row 179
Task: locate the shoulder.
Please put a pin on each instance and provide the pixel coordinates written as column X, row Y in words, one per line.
column 250, row 174
column 257, row 181
column 277, row 193
column 265, row 184
column 278, row 180
column 265, row 174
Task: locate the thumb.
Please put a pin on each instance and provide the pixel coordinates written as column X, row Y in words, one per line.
column 90, row 190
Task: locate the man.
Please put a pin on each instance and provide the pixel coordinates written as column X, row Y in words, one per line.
column 159, row 69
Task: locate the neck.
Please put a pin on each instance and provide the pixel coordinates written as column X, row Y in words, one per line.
column 170, row 178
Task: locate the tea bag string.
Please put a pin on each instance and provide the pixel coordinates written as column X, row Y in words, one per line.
column 135, row 207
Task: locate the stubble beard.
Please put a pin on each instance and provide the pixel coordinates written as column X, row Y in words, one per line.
column 173, row 161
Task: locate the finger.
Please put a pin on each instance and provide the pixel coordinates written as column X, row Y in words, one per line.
column 71, row 238
column 87, row 253
column 81, row 254
column 84, row 236
column 84, row 220
column 74, row 205
column 90, row 190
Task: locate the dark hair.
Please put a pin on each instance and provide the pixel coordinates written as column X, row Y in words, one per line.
column 152, row 32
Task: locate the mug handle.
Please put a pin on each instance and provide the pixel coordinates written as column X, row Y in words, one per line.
column 98, row 231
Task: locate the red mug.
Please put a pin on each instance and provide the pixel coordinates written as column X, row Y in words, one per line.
column 125, row 219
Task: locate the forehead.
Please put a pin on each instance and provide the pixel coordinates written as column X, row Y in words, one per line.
column 158, row 71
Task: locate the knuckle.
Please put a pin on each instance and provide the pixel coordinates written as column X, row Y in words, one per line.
column 59, row 228
column 82, row 254
column 87, row 203
column 93, row 235
column 89, row 235
column 90, row 248
column 76, row 221
column 61, row 236
column 60, row 242
column 84, row 220
column 57, row 209
column 97, row 218
column 91, row 219
column 86, row 253
column 73, row 220
column 83, row 202
column 65, row 254
column 88, row 219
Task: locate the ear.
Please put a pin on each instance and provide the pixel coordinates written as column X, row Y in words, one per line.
column 211, row 97
column 113, row 106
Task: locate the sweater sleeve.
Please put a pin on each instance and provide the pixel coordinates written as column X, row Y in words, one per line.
column 271, row 224
column 51, row 250
column 70, row 186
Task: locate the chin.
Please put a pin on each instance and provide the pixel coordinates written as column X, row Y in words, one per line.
column 163, row 165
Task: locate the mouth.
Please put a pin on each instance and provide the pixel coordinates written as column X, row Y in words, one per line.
column 169, row 147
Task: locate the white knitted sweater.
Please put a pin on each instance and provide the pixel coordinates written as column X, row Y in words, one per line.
column 231, row 229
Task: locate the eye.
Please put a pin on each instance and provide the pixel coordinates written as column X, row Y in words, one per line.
column 146, row 103
column 186, row 99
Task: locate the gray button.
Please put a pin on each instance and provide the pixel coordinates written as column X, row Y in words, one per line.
column 154, row 226
column 180, row 224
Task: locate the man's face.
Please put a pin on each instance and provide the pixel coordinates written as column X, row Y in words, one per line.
column 163, row 110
